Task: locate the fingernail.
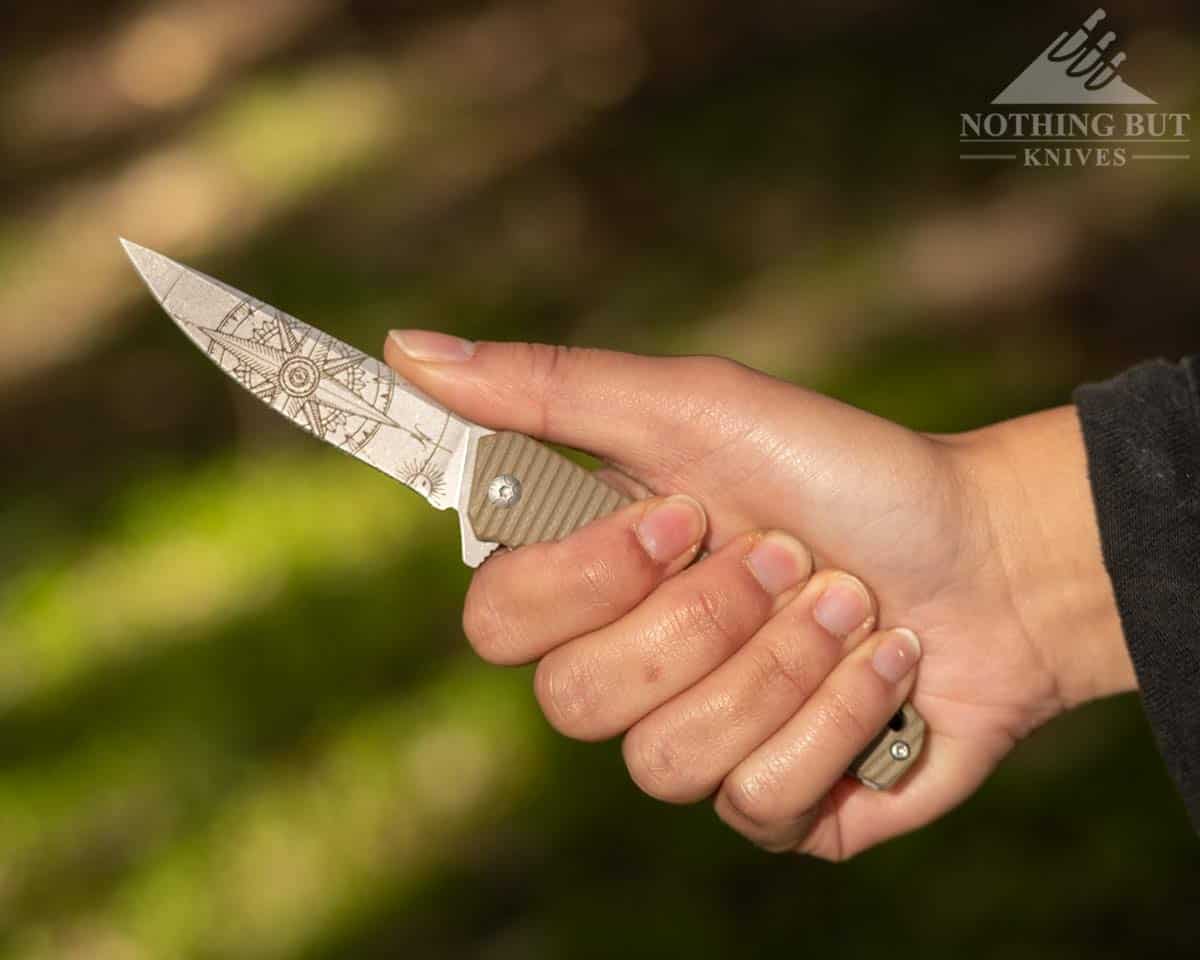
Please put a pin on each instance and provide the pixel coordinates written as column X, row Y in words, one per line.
column 429, row 346
column 897, row 653
column 671, row 527
column 843, row 607
column 779, row 562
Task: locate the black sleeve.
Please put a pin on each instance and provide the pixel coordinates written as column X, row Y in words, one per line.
column 1142, row 432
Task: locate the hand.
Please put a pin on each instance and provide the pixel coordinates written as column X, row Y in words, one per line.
column 985, row 544
column 715, row 670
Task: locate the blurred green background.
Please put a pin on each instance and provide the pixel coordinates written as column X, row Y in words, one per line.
column 238, row 717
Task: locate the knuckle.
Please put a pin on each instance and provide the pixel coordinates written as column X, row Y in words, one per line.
column 657, row 766
column 844, row 715
column 547, row 368
column 714, row 369
column 598, row 578
column 546, row 362
column 823, row 840
column 753, row 799
column 708, row 615
column 819, row 849
column 779, row 662
column 568, row 696
column 494, row 635
column 609, row 573
column 722, row 375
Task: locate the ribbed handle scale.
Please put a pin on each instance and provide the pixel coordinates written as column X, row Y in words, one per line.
column 524, row 492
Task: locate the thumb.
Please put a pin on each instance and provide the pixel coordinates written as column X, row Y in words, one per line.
column 632, row 410
column 754, row 450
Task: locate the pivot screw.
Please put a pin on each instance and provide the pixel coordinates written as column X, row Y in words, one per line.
column 504, row 490
column 900, row 750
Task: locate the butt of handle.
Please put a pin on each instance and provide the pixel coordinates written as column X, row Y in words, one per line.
column 893, row 752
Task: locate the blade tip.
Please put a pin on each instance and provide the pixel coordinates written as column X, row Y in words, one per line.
column 130, row 248
column 157, row 272
column 137, row 254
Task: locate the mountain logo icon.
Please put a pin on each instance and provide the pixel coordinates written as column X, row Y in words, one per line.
column 1075, row 68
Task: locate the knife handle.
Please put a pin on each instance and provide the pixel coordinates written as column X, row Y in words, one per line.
column 896, row 749
column 523, row 492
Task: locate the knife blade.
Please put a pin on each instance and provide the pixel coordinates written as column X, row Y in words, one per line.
column 507, row 488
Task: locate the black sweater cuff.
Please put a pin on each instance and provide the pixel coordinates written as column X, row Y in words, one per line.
column 1142, row 432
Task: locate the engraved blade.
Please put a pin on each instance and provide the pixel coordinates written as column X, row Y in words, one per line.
column 330, row 389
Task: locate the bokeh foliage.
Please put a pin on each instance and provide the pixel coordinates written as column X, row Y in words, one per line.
column 237, row 714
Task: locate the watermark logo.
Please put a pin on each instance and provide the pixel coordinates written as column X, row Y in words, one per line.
column 1079, row 68
column 1075, row 68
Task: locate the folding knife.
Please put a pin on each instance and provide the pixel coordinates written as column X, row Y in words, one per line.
column 508, row 489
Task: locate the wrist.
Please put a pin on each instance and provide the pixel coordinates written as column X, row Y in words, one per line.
column 1032, row 474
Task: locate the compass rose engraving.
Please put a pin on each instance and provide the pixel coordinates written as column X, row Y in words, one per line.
column 312, row 379
column 334, row 391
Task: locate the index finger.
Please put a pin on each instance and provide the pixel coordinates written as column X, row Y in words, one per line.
column 523, row 604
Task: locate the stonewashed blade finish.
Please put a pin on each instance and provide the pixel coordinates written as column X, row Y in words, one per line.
column 330, row 389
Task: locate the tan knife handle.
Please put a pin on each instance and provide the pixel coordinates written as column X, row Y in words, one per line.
column 896, row 749
column 523, row 492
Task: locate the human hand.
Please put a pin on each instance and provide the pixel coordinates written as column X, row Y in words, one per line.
column 984, row 544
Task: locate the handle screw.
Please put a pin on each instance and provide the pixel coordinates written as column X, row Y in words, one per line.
column 504, row 490
column 900, row 750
